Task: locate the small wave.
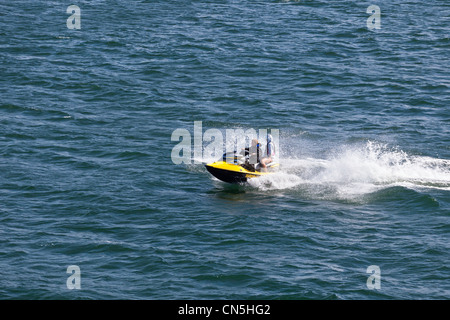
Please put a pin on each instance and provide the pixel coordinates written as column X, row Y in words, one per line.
column 49, row 114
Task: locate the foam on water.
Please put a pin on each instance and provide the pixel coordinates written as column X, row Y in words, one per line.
column 358, row 170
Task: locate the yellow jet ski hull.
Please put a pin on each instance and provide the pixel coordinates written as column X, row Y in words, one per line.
column 233, row 173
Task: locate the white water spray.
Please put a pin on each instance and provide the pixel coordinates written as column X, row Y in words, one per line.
column 358, row 170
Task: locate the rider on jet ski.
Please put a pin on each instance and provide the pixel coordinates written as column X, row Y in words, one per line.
column 254, row 155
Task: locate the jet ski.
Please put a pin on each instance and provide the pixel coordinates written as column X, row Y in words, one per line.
column 235, row 168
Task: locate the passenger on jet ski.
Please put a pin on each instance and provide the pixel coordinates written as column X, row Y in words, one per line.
column 270, row 153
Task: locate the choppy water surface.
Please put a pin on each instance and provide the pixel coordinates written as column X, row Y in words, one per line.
column 87, row 178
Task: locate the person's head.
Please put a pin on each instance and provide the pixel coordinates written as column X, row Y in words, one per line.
column 269, row 138
column 254, row 142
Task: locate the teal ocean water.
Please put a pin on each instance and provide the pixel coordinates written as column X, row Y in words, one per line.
column 87, row 178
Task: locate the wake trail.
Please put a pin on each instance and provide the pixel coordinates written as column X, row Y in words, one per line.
column 358, row 170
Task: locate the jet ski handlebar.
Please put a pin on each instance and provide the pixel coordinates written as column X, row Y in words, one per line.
column 232, row 157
